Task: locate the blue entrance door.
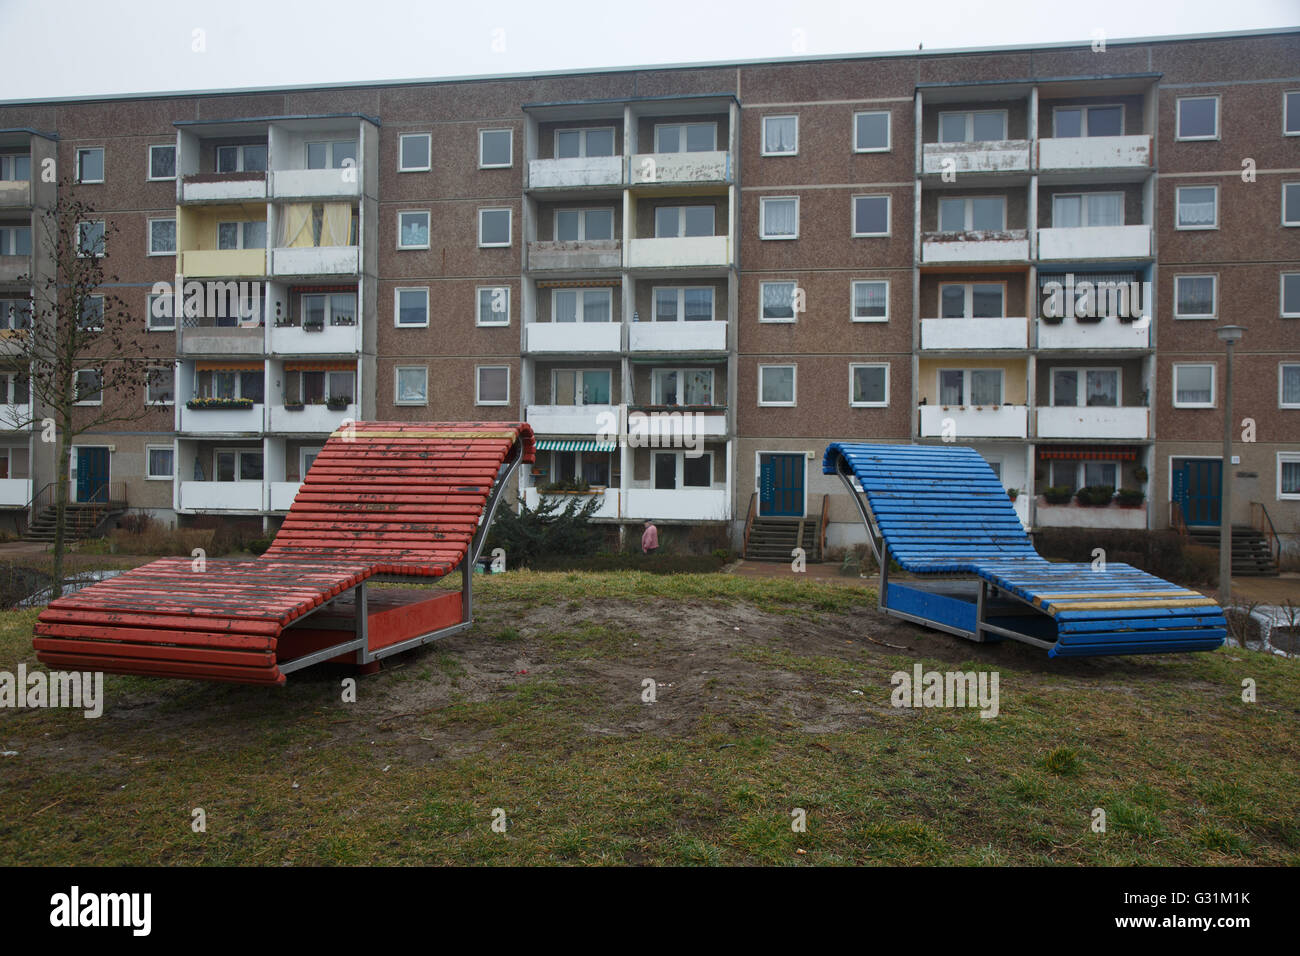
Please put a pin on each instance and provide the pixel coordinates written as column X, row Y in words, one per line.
column 92, row 474
column 780, row 485
column 1198, row 489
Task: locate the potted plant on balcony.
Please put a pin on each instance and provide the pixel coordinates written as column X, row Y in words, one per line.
column 1095, row 496
column 570, row 486
column 285, row 322
column 207, row 404
column 1058, row 494
column 1013, row 493
column 1140, row 475
column 343, row 320
column 294, row 406
column 313, row 325
column 336, row 403
column 1130, row 497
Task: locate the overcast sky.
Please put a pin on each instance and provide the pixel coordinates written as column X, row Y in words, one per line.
column 58, row 48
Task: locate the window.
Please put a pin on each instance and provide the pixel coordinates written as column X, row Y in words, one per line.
column 1291, row 204
column 776, row 301
column 235, row 464
column 411, row 385
column 871, row 131
column 596, row 141
column 1291, row 113
column 871, row 300
column 92, row 313
column 683, row 304
column 494, row 227
column 161, row 462
column 15, row 389
column 1198, row 117
column 1288, row 475
column 1198, row 207
column 1193, row 386
column 241, row 235
column 494, row 305
column 973, row 213
column 15, row 167
column 335, row 154
column 778, row 217
column 413, row 152
column 90, row 239
column 160, row 308
column 1288, row 386
column 162, row 237
column 592, row 467
column 495, row 148
column 231, row 383
column 686, row 137
column 335, row 308
column 979, row 126
column 15, row 314
column 493, row 385
column 1091, row 387
column 17, row 240
column 248, row 158
column 776, row 385
column 162, row 162
column 868, row 386
column 972, row 300
column 160, row 386
column 582, row 305
column 413, row 230
column 697, row 472
column 411, row 307
column 1068, row 121
column 1290, row 295
column 681, row 386
column 974, row 386
column 580, row 386
column 90, row 165
column 576, row 225
column 1195, row 297
column 780, row 135
column 89, row 386
column 675, row 221
column 1074, row 210
column 870, row 215
column 319, row 386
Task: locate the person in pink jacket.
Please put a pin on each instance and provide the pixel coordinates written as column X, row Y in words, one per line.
column 650, row 538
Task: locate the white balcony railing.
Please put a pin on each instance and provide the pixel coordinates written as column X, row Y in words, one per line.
column 681, row 252
column 1094, row 242
column 223, row 421
column 316, row 261
column 1093, row 421
column 1011, row 245
column 11, row 267
column 222, row 340
column 16, row 417
column 1075, row 515
column 222, row 496
column 672, row 428
column 677, row 337
column 1002, row 156
column 214, row 189
column 282, row 494
column 15, row 492
column 326, row 340
column 576, row 337
column 310, row 418
column 1108, row 333
column 1082, row 153
column 572, row 419
column 576, row 172
column 585, row 254
column 965, row 422
column 978, row 334
column 676, row 168
column 681, row 504
column 608, row 507
column 15, row 192
column 316, row 183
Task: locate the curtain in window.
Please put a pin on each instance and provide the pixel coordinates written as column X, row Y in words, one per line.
column 1065, row 387
column 295, row 226
column 565, row 305
column 779, row 136
column 1193, row 384
column 869, row 300
column 950, row 388
column 1103, row 388
column 699, row 305
column 1291, row 384
column 667, row 382
column 665, row 305
column 778, row 218
column 986, row 387
column 337, row 224
column 1097, row 473
column 1067, row 212
column 596, row 306
column 1291, row 477
column 778, row 300
column 699, row 387
column 1105, row 209
column 1196, row 207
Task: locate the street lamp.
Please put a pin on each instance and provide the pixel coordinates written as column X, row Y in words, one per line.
column 1229, row 335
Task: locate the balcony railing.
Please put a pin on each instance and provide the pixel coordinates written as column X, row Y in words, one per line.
column 283, row 493
column 323, row 339
column 11, row 267
column 677, row 337
column 1093, row 421
column 1108, row 333
column 571, row 419
column 682, row 252
column 978, row 334
column 1075, row 515
column 15, row 193
column 204, row 337
column 544, row 256
column 964, row 422
column 224, row 187
column 679, row 168
column 680, row 504
column 223, row 421
column 610, row 500
column 316, row 183
column 310, row 418
column 575, row 337
column 221, row 263
column 1001, row 156
column 576, row 172
column 1008, row 245
column 1094, row 242
column 1082, row 153
column 15, row 492
column 243, row 496
column 316, row 261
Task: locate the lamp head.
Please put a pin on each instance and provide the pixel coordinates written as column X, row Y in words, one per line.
column 1230, row 333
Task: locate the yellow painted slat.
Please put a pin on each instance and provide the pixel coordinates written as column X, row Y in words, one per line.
column 1130, row 605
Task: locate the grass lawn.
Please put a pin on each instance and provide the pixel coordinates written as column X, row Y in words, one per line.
column 771, row 695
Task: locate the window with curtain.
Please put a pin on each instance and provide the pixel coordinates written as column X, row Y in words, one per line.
column 780, row 135
column 1198, row 207
column 779, row 218
column 1194, row 385
column 870, row 384
column 1291, row 385
column 778, row 301
column 1071, row 211
column 952, row 387
column 986, row 386
column 1102, row 387
column 1065, row 387
column 686, row 137
column 1289, row 476
column 776, row 384
column 871, row 299
column 1103, row 474
column 1194, row 296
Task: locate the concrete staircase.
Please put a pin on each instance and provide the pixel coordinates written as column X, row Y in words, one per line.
column 1251, row 555
column 84, row 521
column 772, row 539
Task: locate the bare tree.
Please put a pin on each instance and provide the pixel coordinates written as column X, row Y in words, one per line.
column 87, row 358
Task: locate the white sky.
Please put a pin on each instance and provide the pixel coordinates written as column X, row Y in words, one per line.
column 149, row 45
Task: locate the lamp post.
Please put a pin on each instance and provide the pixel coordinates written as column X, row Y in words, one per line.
column 1229, row 335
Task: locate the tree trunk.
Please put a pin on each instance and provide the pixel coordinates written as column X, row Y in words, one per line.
column 60, row 513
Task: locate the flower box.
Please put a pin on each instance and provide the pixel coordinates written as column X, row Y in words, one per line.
column 207, row 404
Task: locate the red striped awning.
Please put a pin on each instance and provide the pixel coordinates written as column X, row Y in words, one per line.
column 231, row 366
column 323, row 288
column 1088, row 453
column 580, row 284
column 314, row 366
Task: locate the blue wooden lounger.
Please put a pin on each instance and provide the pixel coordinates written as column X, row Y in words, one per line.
column 940, row 511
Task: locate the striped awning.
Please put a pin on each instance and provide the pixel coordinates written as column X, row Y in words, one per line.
column 317, row 366
column 1091, row 453
column 324, row 288
column 228, row 366
column 553, row 444
column 579, row 283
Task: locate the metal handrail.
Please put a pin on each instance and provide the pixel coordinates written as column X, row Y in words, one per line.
column 1270, row 533
column 821, row 536
column 1178, row 519
column 749, row 523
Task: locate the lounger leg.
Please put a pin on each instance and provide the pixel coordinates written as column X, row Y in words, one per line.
column 366, row 664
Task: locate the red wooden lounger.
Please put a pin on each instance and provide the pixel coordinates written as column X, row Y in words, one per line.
column 403, row 500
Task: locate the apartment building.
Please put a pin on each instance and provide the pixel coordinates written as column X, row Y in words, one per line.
column 689, row 279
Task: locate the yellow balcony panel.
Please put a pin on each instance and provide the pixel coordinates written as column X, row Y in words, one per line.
column 222, row 263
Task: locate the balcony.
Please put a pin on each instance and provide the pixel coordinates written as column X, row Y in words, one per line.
column 1011, row 245
column 666, row 426
column 1077, row 154
column 976, row 334
column 222, row 340
column 11, row 267
column 677, row 337
column 1094, row 242
column 608, row 507
column 575, row 173
column 15, row 193
column 222, row 421
column 16, row 417
column 313, row 419
column 682, row 252
column 971, row 421
column 315, row 340
column 581, row 254
column 283, row 493
column 572, row 419
column 673, row 169
column 223, row 187
column 15, row 492
column 681, row 504
column 1109, row 333
column 243, row 496
column 1075, row 515
column 998, row 157
column 574, row 337
column 1093, row 422
column 316, row 261
column 221, row 263
column 316, row 183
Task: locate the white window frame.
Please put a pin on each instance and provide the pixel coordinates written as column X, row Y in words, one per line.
column 857, row 365
column 889, row 215
column 103, row 163
column 579, row 387
column 1281, row 380
column 762, row 217
column 428, row 227
column 397, row 307
column 968, row 212
column 239, row 454
column 241, row 234
column 583, row 132
column 1179, row 191
column 1083, row 206
column 1086, row 107
column 853, row 300
column 329, row 145
column 1285, row 456
column 478, row 305
column 510, row 150
column 103, row 249
column 1281, row 295
column 656, row 393
column 148, row 169
column 160, row 368
column 1178, row 118
column 303, row 465
column 478, row 385
column 682, row 136
column 681, row 218
column 1214, row 304
column 679, row 473
column 510, row 227
column 794, row 386
column 681, row 302
column 966, row 392
column 1285, row 187
column 102, row 307
column 7, row 159
column 241, row 160
column 1081, row 385
column 148, row 459
column 397, row 383
column 582, row 222
column 401, row 141
column 968, row 299
column 1286, row 112
column 76, row 389
column 580, row 308
column 12, row 230
column 889, row 131
column 1214, row 385
column 149, row 316
column 780, row 116
column 970, row 125
column 149, row 237
column 779, row 320
column 238, row 391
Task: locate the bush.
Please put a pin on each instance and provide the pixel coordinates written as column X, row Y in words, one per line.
column 613, row 561
column 136, row 522
column 1095, row 496
column 577, row 485
column 1130, row 497
column 545, row 530
column 1163, row 553
column 1058, row 494
column 258, row 546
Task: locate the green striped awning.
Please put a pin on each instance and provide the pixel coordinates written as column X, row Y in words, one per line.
column 552, row 444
